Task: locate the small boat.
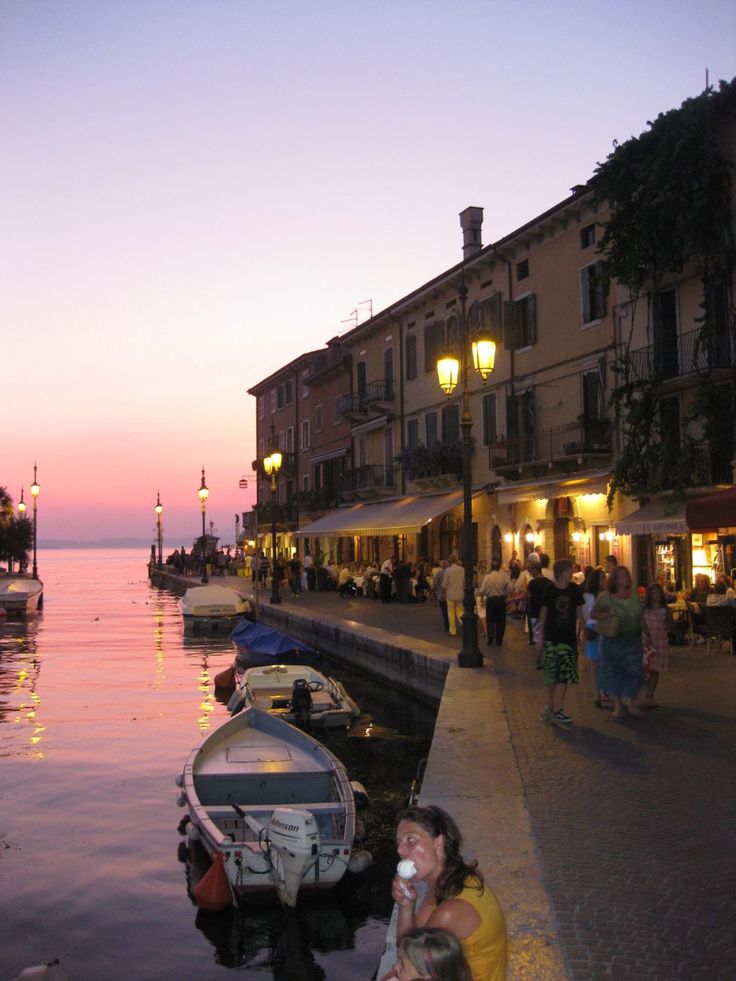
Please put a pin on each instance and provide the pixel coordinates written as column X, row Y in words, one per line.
column 296, row 693
column 259, row 645
column 19, row 594
column 208, row 605
column 272, row 807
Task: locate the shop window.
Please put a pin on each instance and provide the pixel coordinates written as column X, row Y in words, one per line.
column 593, row 289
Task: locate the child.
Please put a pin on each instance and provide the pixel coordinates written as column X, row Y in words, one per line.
column 430, row 953
column 655, row 624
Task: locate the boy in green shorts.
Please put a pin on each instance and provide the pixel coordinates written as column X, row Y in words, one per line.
column 559, row 633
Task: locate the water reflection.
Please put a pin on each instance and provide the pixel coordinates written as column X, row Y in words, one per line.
column 20, row 700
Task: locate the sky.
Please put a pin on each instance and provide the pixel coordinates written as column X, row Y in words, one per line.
column 194, row 192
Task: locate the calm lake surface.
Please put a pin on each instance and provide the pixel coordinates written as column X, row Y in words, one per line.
column 101, row 700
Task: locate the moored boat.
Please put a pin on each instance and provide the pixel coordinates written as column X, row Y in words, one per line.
column 20, row 594
column 259, row 645
column 297, row 693
column 272, row 806
column 212, row 605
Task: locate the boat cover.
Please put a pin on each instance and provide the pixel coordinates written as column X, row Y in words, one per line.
column 260, row 639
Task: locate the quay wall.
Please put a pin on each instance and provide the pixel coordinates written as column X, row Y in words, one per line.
column 471, row 771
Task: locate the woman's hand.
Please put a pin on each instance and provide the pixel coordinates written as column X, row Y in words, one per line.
column 404, row 894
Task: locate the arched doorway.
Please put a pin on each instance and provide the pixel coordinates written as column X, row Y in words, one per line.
column 527, row 540
column 450, row 536
column 496, row 543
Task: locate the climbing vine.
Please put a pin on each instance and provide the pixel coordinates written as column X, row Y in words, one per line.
column 669, row 194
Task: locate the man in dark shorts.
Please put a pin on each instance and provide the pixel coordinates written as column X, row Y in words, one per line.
column 559, row 632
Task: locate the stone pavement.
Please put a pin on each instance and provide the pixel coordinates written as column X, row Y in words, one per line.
column 634, row 820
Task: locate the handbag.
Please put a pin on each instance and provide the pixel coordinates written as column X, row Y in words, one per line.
column 648, row 656
column 609, row 626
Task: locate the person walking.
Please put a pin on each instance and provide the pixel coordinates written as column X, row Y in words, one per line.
column 559, row 631
column 454, row 581
column 385, row 580
column 494, row 590
column 594, row 584
column 656, row 623
column 618, row 613
column 440, row 591
column 310, row 571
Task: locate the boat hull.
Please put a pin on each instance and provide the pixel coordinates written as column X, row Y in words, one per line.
column 270, row 689
column 20, row 596
column 239, row 775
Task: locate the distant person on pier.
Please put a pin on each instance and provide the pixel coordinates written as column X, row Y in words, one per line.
column 385, row 581
column 457, row 898
column 455, row 588
column 440, row 591
column 310, row 571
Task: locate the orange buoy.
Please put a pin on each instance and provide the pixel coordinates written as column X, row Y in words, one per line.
column 225, row 679
column 212, row 892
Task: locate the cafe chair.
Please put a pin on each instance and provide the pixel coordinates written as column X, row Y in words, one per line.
column 697, row 630
column 719, row 622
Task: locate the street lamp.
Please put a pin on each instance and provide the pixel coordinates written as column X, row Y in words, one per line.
column 35, row 491
column 203, row 493
column 21, row 505
column 272, row 465
column 450, row 368
column 159, row 509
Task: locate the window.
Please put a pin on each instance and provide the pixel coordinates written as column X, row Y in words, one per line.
column 273, row 401
column 669, row 420
column 281, row 440
column 306, row 440
column 281, row 396
column 489, row 419
column 450, row 423
column 337, row 414
column 305, row 385
column 520, row 427
column 305, row 482
column 434, row 342
column 587, row 236
column 261, row 407
column 388, row 371
column 412, row 433
column 289, row 392
column 289, row 444
column 362, row 373
column 362, row 451
column 430, row 424
column 664, row 320
column 520, row 322
column 411, row 356
column 593, row 289
column 522, row 270
column 318, row 418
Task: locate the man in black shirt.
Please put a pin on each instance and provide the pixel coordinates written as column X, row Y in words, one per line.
column 559, row 632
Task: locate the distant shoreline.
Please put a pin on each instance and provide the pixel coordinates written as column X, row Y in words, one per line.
column 59, row 543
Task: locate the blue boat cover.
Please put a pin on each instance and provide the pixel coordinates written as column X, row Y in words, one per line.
column 259, row 639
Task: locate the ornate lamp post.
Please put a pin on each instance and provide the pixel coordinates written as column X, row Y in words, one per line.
column 35, row 491
column 159, row 509
column 449, row 369
column 203, row 493
column 21, row 505
column 272, row 465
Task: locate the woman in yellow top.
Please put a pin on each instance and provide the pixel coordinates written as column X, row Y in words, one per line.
column 457, row 898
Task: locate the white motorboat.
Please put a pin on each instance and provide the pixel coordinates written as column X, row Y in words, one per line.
column 272, row 806
column 296, row 693
column 20, row 594
column 207, row 603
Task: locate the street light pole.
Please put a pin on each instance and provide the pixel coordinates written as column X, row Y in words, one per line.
column 203, row 493
column 272, row 465
column 35, row 491
column 159, row 511
column 449, row 368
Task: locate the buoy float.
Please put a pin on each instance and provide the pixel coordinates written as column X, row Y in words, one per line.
column 212, row 892
column 226, row 678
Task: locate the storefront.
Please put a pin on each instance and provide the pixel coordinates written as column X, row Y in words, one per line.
column 713, row 522
column 659, row 542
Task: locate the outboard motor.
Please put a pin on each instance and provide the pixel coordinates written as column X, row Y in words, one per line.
column 294, row 845
column 301, row 702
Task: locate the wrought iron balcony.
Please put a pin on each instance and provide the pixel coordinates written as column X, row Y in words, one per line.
column 694, row 353
column 359, row 403
column 368, row 478
column 562, row 444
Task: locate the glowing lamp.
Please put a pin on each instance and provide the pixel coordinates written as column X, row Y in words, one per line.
column 484, row 356
column 448, row 371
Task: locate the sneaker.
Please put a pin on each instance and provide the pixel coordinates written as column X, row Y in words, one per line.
column 562, row 718
column 546, row 715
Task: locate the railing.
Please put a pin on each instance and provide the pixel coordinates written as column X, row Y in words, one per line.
column 586, row 438
column 359, row 402
column 694, row 353
column 372, row 477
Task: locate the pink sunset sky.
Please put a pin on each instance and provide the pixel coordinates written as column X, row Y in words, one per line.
column 192, row 192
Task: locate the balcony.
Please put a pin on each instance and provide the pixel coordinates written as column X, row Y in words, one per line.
column 694, row 353
column 367, row 480
column 569, row 444
column 360, row 404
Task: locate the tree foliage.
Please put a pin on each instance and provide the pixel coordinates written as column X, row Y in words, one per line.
column 16, row 534
column 443, row 457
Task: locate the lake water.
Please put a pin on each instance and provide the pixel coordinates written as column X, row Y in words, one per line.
column 101, row 700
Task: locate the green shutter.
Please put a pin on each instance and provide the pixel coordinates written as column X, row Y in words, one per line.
column 510, row 325
column 531, row 316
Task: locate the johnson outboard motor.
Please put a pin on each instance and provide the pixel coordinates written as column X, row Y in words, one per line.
column 293, row 843
column 301, row 703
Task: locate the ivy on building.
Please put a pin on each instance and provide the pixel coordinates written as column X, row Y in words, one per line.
column 669, row 194
column 443, row 457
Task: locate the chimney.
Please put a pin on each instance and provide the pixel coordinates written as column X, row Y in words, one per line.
column 471, row 222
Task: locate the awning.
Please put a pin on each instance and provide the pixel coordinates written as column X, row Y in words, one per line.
column 662, row 517
column 329, row 455
column 595, row 482
column 398, row 516
column 712, row 511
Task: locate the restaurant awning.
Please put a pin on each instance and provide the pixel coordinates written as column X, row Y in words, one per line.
column 661, row 517
column 398, row 516
column 712, row 511
column 594, row 482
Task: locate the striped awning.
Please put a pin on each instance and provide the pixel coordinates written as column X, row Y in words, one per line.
column 661, row 517
column 394, row 517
